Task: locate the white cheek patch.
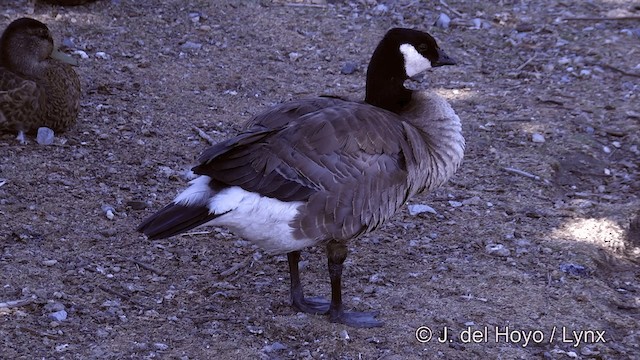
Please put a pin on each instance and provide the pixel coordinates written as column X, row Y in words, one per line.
column 414, row 62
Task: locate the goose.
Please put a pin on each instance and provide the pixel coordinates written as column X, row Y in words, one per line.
column 324, row 171
column 38, row 87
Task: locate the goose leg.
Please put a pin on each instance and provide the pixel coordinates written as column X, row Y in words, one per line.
column 337, row 253
column 312, row 305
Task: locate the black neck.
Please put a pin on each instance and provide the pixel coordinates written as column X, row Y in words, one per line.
column 385, row 80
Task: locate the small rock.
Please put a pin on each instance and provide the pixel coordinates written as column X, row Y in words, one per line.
column 102, row 55
column 497, row 249
column 380, row 9
column 58, row 315
column 276, row 346
column 190, row 45
column 455, row 204
column 537, row 138
column 45, row 136
column 49, row 262
column 443, row 21
column 293, row 56
column 109, row 211
column 161, row 346
column 349, row 68
column 574, row 269
column 344, row 335
column 82, row 54
column 524, row 27
column 472, row 201
column 256, row 330
column 416, row 209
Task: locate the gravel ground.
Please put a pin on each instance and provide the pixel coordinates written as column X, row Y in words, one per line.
column 529, row 252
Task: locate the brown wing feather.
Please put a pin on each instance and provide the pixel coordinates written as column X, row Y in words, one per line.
column 347, row 162
column 22, row 102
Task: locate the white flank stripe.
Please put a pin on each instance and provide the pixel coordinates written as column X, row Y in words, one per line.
column 414, row 62
column 262, row 220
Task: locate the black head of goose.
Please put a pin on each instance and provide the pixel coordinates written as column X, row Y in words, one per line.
column 326, row 170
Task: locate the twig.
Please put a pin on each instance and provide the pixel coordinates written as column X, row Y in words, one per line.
column 519, row 68
column 120, row 295
column 305, row 5
column 597, row 18
column 204, row 135
column 146, row 266
column 619, row 70
column 521, row 173
column 444, row 3
column 236, row 267
column 205, row 232
column 16, row 303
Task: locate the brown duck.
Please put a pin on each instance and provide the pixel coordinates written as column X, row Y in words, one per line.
column 325, row 171
column 36, row 89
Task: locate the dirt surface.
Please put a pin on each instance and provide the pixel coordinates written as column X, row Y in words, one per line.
column 528, row 243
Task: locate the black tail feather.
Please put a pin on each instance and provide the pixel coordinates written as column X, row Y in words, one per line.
column 175, row 219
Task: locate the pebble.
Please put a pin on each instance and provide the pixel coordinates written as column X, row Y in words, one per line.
column 108, row 211
column 574, row 269
column 455, row 204
column 82, row 54
column 276, row 346
column 380, row 9
column 49, row 262
column 190, row 45
column 443, row 21
column 537, row 138
column 102, row 55
column 497, row 249
column 344, row 335
column 349, row 68
column 45, row 136
column 293, row 56
column 58, row 315
column 416, row 209
column 472, row 201
column 161, row 346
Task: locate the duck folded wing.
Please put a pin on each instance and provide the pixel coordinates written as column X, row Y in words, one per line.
column 21, row 101
column 347, row 163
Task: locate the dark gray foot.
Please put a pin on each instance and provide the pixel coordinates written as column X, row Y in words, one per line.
column 315, row 305
column 356, row 319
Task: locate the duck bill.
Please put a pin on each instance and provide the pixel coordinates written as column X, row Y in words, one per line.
column 60, row 56
column 443, row 59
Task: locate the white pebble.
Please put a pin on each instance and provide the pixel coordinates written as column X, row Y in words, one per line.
column 455, row 204
column 161, row 346
column 443, row 21
column 606, row 149
column 58, row 315
column 82, row 54
column 45, row 136
column 537, row 138
column 293, row 56
column 416, row 209
column 49, row 262
column 616, row 144
column 607, row 172
column 102, row 55
column 497, row 249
